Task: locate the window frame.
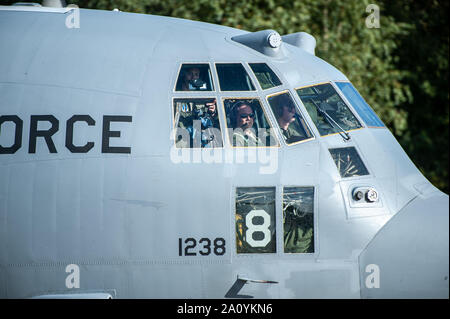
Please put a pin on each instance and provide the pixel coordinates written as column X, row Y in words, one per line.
column 276, row 218
column 269, row 120
column 272, row 69
column 348, row 103
column 249, row 74
column 175, row 128
column 358, row 152
column 345, row 101
column 315, row 220
column 298, row 109
column 177, row 75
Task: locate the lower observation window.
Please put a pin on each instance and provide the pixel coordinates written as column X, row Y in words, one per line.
column 348, row 162
column 255, row 220
column 298, row 219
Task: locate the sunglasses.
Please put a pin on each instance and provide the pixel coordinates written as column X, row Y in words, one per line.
column 244, row 116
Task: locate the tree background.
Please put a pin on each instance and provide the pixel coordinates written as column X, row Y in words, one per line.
column 401, row 68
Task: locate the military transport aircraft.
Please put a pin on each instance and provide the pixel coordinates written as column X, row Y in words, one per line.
column 152, row 157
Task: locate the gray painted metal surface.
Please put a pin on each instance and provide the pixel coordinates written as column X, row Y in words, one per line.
column 119, row 216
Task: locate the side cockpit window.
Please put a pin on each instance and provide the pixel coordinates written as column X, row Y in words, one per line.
column 233, row 77
column 194, row 77
column 255, row 220
column 248, row 124
column 197, row 123
column 266, row 77
column 327, row 110
column 291, row 123
column 360, row 105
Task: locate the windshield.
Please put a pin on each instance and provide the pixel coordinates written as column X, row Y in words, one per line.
column 359, row 104
column 323, row 98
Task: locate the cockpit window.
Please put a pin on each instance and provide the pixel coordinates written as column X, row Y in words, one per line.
column 359, row 104
column 348, row 162
column 247, row 123
column 298, row 219
column 289, row 119
column 255, row 220
column 197, row 123
column 266, row 77
column 327, row 110
column 194, row 77
column 233, row 77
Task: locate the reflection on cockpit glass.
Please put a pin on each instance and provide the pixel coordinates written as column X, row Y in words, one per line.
column 255, row 220
column 348, row 162
column 194, row 77
column 298, row 219
column 290, row 121
column 247, row 124
column 233, row 77
column 266, row 77
column 197, row 123
column 322, row 100
column 359, row 104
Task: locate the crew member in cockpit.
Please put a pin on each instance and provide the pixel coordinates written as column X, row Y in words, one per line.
column 243, row 119
column 191, row 80
column 286, row 118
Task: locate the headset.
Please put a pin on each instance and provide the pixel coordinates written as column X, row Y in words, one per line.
column 234, row 110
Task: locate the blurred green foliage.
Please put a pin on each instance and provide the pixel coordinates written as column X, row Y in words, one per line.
column 401, row 68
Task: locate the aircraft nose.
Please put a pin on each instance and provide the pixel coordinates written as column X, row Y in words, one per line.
column 408, row 258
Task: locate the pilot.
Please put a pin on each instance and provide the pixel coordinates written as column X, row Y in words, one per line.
column 242, row 119
column 191, row 80
column 286, row 117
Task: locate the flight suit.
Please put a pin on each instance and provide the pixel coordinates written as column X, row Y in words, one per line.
column 293, row 133
column 242, row 139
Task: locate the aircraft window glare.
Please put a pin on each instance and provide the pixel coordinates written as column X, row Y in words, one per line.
column 247, row 123
column 266, row 77
column 197, row 123
column 233, row 77
column 194, row 77
column 324, row 97
column 298, row 219
column 255, row 220
column 360, row 105
column 289, row 119
column 348, row 162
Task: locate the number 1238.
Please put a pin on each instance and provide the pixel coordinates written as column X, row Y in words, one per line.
column 204, row 247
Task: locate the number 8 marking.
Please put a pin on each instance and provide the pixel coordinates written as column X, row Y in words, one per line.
column 252, row 228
